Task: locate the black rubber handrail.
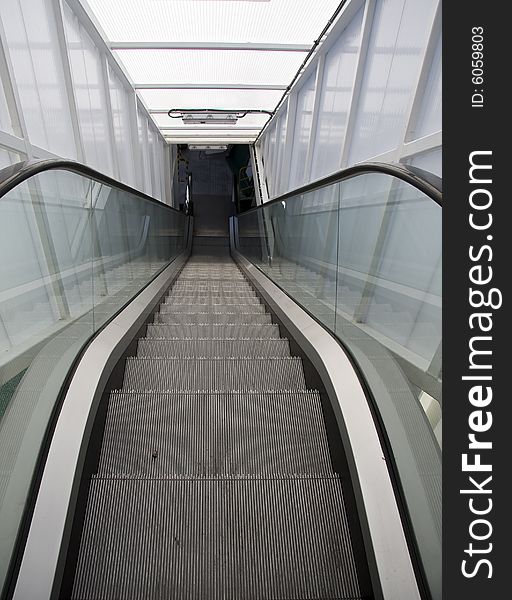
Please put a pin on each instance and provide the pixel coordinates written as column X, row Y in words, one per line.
column 426, row 182
column 12, row 176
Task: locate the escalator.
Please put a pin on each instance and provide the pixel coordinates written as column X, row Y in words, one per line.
column 215, row 476
column 192, row 431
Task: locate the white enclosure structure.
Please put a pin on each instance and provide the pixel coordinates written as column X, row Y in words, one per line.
column 62, row 94
column 372, row 92
column 94, row 80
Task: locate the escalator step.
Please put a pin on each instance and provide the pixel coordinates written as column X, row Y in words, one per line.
column 216, row 309
column 215, row 434
column 213, row 331
column 222, row 374
column 211, row 300
column 230, row 538
column 203, row 348
column 213, row 318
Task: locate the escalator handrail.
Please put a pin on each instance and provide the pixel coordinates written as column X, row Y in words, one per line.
column 13, row 175
column 428, row 183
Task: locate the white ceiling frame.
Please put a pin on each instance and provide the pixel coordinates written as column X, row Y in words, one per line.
column 164, row 111
column 342, row 20
column 88, row 20
column 210, row 128
column 210, row 46
column 207, row 86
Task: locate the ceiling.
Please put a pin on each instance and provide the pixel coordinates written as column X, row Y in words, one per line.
column 232, row 55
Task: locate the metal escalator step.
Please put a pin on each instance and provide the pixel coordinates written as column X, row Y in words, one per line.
column 230, row 538
column 237, row 308
column 211, row 271
column 211, row 300
column 211, row 286
column 214, row 434
column 196, row 348
column 213, row 318
column 213, row 331
column 214, row 374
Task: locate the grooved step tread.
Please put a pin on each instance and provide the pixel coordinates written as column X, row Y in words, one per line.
column 213, row 318
column 211, row 300
column 220, row 309
column 203, row 348
column 215, row 374
column 232, row 538
column 230, row 330
column 215, row 434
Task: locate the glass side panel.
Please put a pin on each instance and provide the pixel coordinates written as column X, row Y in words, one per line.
column 73, row 252
column 363, row 256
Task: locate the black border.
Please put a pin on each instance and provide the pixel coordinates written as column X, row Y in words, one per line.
column 467, row 129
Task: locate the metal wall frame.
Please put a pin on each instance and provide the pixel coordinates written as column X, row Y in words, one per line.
column 409, row 146
column 18, row 143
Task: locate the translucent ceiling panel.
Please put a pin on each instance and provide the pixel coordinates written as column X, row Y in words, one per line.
column 210, row 66
column 247, row 121
column 34, row 50
column 259, row 99
column 283, row 21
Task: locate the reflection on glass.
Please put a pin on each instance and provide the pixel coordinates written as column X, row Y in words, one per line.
column 73, row 252
column 363, row 256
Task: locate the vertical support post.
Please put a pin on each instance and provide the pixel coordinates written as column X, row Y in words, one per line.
column 134, row 136
column 167, row 174
column 361, row 312
column 110, row 114
column 288, row 141
column 319, row 78
column 56, row 285
column 256, row 174
column 262, row 175
column 68, row 80
column 366, row 29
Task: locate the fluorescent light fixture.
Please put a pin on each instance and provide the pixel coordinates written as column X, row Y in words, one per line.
column 210, row 119
column 207, row 147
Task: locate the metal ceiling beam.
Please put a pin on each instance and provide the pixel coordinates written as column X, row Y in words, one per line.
column 210, row 46
column 209, row 128
column 165, row 111
column 207, row 86
column 209, row 137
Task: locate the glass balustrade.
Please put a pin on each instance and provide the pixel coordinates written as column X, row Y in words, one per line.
column 73, row 252
column 363, row 256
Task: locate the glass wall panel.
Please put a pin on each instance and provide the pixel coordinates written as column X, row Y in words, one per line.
column 302, row 131
column 338, row 81
column 363, row 257
column 89, row 86
column 74, row 252
column 429, row 117
column 7, row 157
column 6, row 123
column 431, row 160
column 121, row 107
column 398, row 38
column 34, row 51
